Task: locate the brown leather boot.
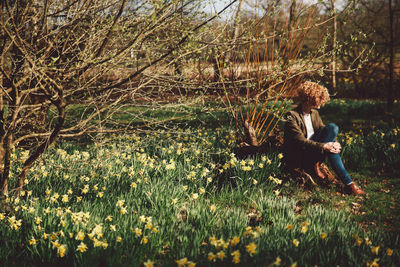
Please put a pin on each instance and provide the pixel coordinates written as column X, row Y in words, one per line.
column 355, row 189
column 318, row 171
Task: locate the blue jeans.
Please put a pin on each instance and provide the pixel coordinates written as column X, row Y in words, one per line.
column 328, row 134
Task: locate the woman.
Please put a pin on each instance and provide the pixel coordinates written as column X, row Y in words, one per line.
column 307, row 141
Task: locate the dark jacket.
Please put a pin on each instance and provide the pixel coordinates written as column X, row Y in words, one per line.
column 299, row 152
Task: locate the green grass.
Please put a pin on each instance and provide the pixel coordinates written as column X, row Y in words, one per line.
column 168, row 195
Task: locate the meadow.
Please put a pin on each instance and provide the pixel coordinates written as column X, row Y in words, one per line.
column 181, row 197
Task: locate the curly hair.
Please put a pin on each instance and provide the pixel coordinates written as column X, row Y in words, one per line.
column 312, row 93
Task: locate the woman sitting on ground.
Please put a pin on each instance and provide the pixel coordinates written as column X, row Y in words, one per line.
column 307, row 141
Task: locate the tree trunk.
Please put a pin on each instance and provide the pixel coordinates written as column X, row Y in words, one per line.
column 391, row 55
column 236, row 30
column 334, row 46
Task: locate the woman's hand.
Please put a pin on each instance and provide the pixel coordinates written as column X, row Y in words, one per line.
column 332, row 147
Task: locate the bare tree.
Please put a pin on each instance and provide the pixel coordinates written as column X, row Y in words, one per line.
column 374, row 26
column 58, row 58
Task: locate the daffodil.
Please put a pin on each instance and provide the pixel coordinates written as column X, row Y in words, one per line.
column 234, row 241
column 251, row 249
column 375, row 250
column 277, row 261
column 138, row 232
column 38, row 220
column 33, row 241
column 148, row 263
column 211, row 256
column 120, row 203
column 61, row 249
column 236, row 256
column 295, row 242
column 182, row 262
column 64, row 198
column 123, row 210
column 373, row 263
column 221, row 255
column 82, row 247
column 144, row 240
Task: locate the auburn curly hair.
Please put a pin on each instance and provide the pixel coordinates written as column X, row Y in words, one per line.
column 312, row 93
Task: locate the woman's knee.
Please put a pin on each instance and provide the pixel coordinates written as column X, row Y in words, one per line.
column 333, row 128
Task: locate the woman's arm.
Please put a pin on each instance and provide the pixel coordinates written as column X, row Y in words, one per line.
column 294, row 136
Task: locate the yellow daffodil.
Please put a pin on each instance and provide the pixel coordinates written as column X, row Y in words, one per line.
column 61, row 249
column 251, row 249
column 149, row 225
column 375, row 250
column 211, row 256
column 236, row 256
column 144, row 240
column 323, row 235
column 123, row 210
column 138, row 232
column 296, row 242
column 38, row 220
column 373, row 263
column 33, row 241
column 221, row 255
column 234, row 241
column 389, row 252
column 182, row 262
column 82, row 247
column 148, row 263
column 277, row 261
column 120, row 203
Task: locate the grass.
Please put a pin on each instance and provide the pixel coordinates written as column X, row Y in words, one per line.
column 181, row 197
